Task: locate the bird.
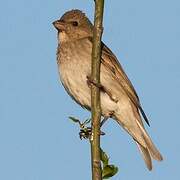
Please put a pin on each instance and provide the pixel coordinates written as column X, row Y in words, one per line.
column 119, row 99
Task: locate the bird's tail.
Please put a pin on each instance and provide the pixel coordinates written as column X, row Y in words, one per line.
column 146, row 156
column 149, row 144
column 135, row 128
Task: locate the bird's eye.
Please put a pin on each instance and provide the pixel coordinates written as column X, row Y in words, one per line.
column 75, row 23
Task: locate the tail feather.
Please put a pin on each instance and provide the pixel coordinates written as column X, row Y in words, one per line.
column 150, row 146
column 146, row 156
column 144, row 142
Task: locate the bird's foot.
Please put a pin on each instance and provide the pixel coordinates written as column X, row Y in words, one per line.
column 103, row 121
column 106, row 118
column 91, row 81
column 102, row 88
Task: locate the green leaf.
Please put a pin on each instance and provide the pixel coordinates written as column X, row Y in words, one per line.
column 74, row 120
column 109, row 171
column 104, row 158
column 87, row 121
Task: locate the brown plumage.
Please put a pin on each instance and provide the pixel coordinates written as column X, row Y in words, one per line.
column 119, row 99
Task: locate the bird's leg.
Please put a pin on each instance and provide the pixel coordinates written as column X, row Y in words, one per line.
column 90, row 81
column 106, row 118
column 102, row 88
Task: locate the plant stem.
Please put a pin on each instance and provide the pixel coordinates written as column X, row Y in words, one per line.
column 95, row 91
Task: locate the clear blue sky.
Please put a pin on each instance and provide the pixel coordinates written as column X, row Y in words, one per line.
column 37, row 141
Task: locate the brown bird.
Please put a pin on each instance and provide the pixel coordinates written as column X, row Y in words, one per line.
column 119, row 99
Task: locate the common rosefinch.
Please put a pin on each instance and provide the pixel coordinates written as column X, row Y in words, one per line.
column 118, row 96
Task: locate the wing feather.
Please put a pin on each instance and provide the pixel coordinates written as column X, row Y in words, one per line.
column 112, row 63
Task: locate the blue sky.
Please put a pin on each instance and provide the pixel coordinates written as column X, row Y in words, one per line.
column 37, row 141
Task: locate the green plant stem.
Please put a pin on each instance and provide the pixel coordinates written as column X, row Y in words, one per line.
column 95, row 91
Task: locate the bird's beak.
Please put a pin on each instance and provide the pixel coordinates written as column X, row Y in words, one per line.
column 59, row 25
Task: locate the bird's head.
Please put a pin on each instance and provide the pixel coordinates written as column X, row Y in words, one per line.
column 73, row 25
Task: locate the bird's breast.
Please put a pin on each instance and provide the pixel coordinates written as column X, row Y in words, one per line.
column 74, row 63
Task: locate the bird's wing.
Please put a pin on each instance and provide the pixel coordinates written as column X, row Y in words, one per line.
column 110, row 61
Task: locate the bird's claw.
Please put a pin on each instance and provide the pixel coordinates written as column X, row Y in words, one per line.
column 91, row 81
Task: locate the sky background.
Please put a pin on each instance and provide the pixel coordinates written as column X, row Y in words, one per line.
column 37, row 141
